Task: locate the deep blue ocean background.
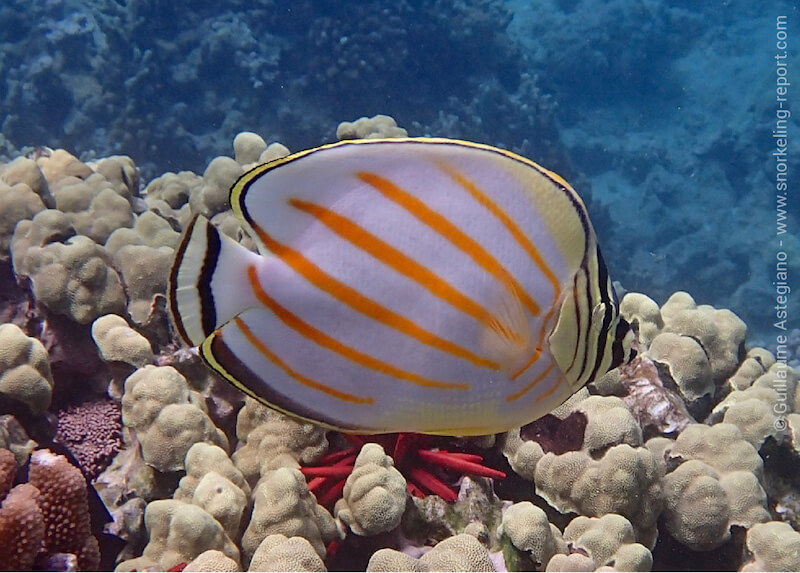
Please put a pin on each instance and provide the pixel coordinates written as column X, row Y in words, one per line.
column 659, row 113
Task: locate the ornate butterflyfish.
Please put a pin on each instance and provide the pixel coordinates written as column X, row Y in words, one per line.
column 402, row 285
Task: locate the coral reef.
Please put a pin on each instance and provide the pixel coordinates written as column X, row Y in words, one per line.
column 693, row 445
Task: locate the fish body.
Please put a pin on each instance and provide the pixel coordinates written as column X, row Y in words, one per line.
column 416, row 285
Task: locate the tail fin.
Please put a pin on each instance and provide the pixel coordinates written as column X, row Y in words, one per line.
column 208, row 282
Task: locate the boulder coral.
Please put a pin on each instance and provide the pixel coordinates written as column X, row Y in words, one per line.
column 211, row 197
column 178, row 532
column 458, row 553
column 717, row 485
column 378, row 126
column 25, row 171
column 719, row 331
column 577, row 480
column 696, row 347
column 24, row 369
column 93, row 207
column 166, row 416
column 248, row 147
column 527, row 528
column 74, row 278
column 212, row 560
column 118, row 342
column 280, row 553
column 266, row 437
column 772, row 546
column 374, row 495
column 609, row 541
column 17, row 203
column 282, row 504
column 764, row 392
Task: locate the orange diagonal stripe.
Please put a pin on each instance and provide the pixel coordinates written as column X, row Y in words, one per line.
column 530, row 386
column 303, row 328
column 538, row 349
column 262, row 348
column 507, row 221
column 449, row 231
column 550, row 391
column 357, row 301
column 402, row 263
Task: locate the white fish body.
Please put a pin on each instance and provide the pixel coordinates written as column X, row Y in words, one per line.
column 417, row 285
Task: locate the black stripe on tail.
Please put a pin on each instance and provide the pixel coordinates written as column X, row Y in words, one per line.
column 208, row 313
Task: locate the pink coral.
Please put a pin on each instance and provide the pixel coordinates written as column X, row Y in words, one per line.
column 65, row 508
column 21, row 528
column 92, row 431
column 8, row 467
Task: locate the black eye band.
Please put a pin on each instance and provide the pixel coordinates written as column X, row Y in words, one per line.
column 617, row 349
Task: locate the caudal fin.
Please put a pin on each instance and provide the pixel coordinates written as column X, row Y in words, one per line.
column 208, row 283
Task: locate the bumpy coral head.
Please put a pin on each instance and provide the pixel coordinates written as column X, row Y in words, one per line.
column 590, row 337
